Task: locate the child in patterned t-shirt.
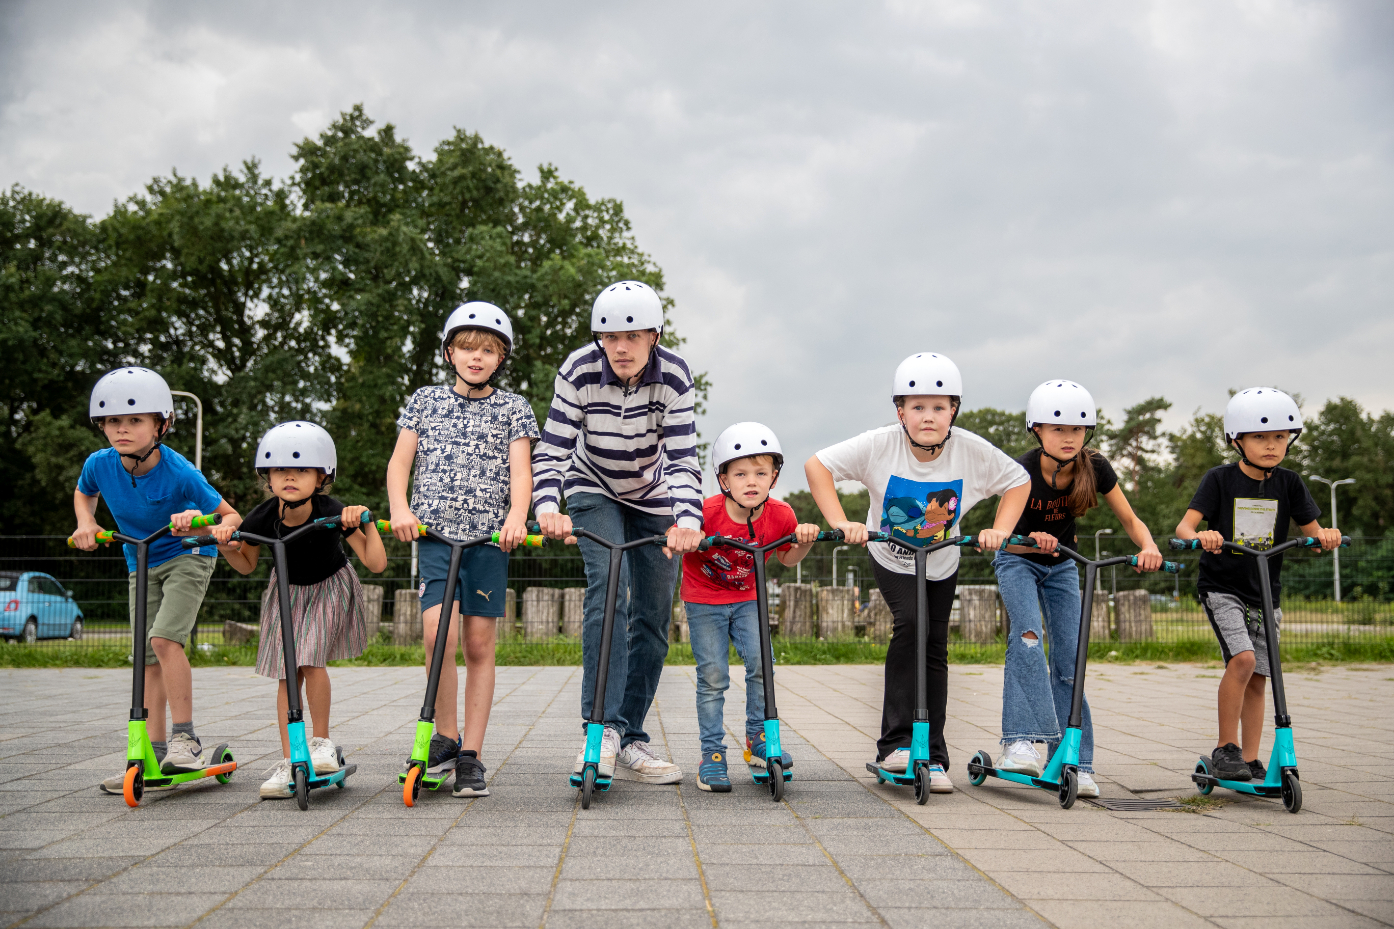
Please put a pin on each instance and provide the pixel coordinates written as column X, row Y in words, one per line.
column 473, row 456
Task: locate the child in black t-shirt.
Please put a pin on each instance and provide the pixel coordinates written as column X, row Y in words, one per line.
column 1249, row 502
column 1040, row 588
column 328, row 612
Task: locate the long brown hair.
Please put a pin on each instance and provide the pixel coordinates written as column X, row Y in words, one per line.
column 1084, row 488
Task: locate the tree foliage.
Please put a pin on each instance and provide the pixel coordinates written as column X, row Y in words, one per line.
column 320, row 297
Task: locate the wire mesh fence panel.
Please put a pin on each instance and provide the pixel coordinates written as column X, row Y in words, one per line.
column 94, row 587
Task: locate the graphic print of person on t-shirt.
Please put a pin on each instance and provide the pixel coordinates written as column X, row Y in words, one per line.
column 920, row 512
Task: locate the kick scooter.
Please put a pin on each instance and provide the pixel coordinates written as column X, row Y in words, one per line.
column 1061, row 774
column 142, row 768
column 917, row 771
column 590, row 779
column 416, row 775
column 1282, row 780
column 773, row 774
column 303, row 776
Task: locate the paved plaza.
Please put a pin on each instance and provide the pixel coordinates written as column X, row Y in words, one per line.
column 838, row 851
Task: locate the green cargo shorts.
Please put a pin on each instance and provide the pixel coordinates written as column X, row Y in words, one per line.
column 173, row 594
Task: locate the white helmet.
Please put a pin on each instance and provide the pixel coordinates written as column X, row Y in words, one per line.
column 625, row 307
column 1261, row 409
column 131, row 390
column 927, row 373
column 477, row 315
column 297, row 445
column 744, row 440
column 1061, row 402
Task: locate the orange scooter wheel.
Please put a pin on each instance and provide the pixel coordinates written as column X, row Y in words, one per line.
column 133, row 788
column 412, row 786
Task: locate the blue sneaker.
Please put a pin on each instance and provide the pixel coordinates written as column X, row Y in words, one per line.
column 755, row 753
column 711, row 775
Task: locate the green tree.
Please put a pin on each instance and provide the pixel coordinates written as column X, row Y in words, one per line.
column 1344, row 441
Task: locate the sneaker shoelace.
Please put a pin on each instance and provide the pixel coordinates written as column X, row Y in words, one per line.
column 277, row 767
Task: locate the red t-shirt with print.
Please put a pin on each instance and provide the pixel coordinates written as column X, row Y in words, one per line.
column 723, row 574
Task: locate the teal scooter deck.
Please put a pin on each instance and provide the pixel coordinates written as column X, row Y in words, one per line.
column 1282, row 779
column 1061, row 774
column 303, row 778
column 142, row 768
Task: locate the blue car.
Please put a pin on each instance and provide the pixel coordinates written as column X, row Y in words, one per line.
column 37, row 607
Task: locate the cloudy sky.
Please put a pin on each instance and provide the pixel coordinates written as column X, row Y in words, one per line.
column 1170, row 198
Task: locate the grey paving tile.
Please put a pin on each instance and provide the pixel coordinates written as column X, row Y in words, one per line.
column 469, row 880
column 93, row 909
column 795, row 906
column 204, row 879
column 188, row 856
column 344, row 867
column 482, row 910
column 658, row 895
column 310, row 894
column 287, row 919
column 62, row 869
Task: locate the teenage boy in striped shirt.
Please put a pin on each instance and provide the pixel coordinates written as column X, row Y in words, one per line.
column 620, row 442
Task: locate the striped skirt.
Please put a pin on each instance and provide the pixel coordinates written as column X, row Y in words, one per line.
column 330, row 621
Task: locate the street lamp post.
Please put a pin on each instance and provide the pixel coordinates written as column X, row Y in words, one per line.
column 1098, row 581
column 840, row 548
column 198, row 427
column 1336, row 553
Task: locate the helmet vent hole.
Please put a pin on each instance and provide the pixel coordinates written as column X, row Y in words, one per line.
column 737, row 446
column 268, row 455
column 1290, row 419
column 102, row 404
column 763, row 442
column 1263, row 419
column 602, row 319
column 629, row 319
column 471, row 316
column 1057, row 412
column 912, row 383
column 131, row 402
column 295, row 454
column 938, row 383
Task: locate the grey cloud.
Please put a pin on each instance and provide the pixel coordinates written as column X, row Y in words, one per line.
column 1170, row 198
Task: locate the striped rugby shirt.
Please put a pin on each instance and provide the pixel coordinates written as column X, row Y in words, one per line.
column 637, row 446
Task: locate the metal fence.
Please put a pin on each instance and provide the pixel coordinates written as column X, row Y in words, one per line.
column 98, row 583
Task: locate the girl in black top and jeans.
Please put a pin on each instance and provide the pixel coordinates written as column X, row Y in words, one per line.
column 1040, row 589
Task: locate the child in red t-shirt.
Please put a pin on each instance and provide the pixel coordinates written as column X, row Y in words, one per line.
column 718, row 589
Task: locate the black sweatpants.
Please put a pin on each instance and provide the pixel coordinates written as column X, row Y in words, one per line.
column 898, row 704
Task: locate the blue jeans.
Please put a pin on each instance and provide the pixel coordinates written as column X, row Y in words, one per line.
column 1036, row 692
column 643, row 611
column 713, row 629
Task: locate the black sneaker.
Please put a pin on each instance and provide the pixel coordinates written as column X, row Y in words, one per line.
column 444, row 752
column 1227, row 763
column 1257, row 771
column 469, row 776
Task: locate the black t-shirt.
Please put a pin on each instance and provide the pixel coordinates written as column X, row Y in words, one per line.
column 312, row 557
column 1231, row 503
column 1047, row 509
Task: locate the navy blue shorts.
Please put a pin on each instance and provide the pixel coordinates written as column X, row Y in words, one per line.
column 483, row 579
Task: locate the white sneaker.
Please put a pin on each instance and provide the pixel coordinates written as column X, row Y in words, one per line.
column 896, row 762
column 185, row 754
column 1020, row 757
column 939, row 782
column 609, row 748
column 277, row 786
column 1087, row 787
column 117, row 785
column 323, row 756
column 638, row 762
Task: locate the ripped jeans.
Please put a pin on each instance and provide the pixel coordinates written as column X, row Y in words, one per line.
column 1036, row 689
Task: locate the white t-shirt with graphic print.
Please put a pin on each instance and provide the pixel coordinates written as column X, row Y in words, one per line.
column 921, row 502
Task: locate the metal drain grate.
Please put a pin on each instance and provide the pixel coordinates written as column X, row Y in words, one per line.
column 1132, row 803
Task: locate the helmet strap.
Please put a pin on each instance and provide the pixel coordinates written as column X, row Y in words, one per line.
column 1266, row 472
column 750, row 511
column 1061, row 463
column 631, row 385
column 927, row 448
column 469, row 386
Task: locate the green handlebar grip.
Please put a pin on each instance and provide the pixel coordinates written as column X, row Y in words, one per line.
column 103, row 536
column 532, row 541
column 1183, row 545
column 386, row 526
column 210, row 519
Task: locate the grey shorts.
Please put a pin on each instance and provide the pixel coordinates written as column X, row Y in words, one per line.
column 1240, row 628
column 173, row 593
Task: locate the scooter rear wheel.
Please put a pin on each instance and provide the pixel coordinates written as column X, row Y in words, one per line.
column 922, row 785
column 1069, row 788
column 224, row 757
column 1203, row 768
column 977, row 768
column 587, row 787
column 1292, row 791
column 411, row 787
column 133, row 787
column 776, row 781
column 302, row 789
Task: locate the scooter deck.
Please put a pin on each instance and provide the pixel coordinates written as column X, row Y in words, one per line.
column 160, row 779
column 318, row 781
column 762, row 775
column 1028, row 780
column 904, row 778
column 1261, row 789
column 432, row 781
column 601, row 781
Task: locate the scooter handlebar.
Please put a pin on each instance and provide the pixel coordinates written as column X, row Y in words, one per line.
column 106, row 535
column 199, row 522
column 1182, row 545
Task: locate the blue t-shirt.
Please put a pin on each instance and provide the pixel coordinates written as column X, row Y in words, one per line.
column 172, row 486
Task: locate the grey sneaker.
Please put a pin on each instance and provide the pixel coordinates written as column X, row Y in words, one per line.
column 185, row 754
column 469, row 776
column 637, row 761
column 117, row 785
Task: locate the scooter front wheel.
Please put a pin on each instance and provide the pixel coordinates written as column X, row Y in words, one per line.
column 1069, row 788
column 1203, row 769
column 977, row 768
column 1292, row 791
column 224, row 757
column 302, row 789
column 587, row 787
column 411, row 787
column 776, row 781
column 133, row 787
column 922, row 784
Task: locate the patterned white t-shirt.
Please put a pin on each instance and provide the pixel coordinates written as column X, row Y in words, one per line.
column 462, row 475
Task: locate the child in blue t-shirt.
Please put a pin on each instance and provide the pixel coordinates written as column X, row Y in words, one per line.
column 146, row 487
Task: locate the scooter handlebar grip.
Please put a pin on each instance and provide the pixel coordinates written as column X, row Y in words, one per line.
column 532, row 541
column 385, row 525
column 1171, row 567
column 831, row 535
column 1023, row 540
column 1345, row 541
column 198, row 541
column 103, row 536
column 967, row 541
column 707, row 543
column 208, row 519
column 1183, row 545
column 535, row 528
